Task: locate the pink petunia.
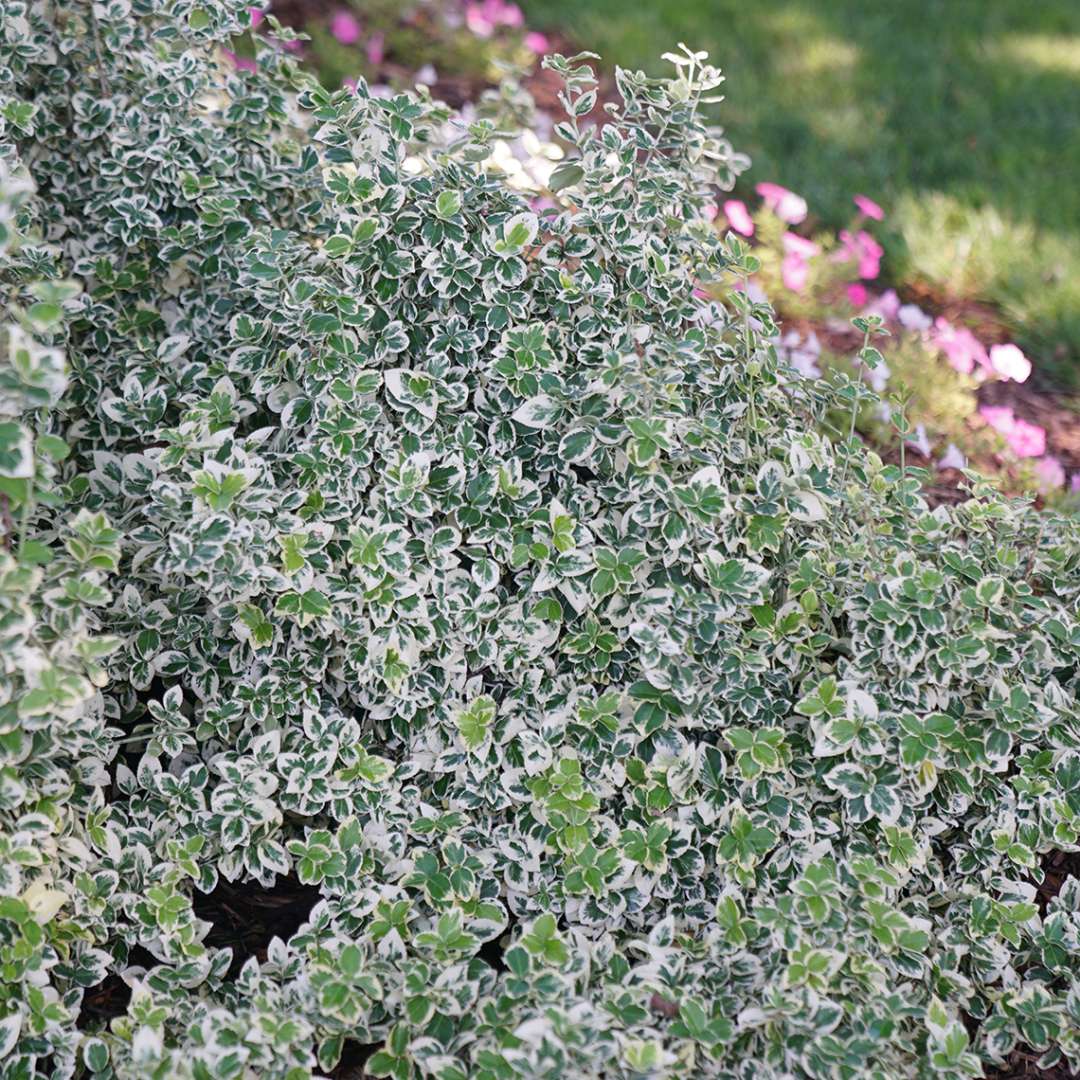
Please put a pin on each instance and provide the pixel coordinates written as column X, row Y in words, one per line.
column 999, row 417
column 869, row 207
column 863, row 249
column 786, row 205
column 345, row 27
column 869, row 257
column 484, row 17
column 856, row 294
column 477, row 21
column 794, row 272
column 256, row 15
column 374, row 48
column 1009, row 362
column 536, row 42
column 1024, row 439
column 739, row 217
column 794, row 244
column 710, row 212
column 1074, row 483
column 961, row 348
column 1050, row 473
column 1027, row 440
column 512, row 16
column 241, row 63
column 887, row 305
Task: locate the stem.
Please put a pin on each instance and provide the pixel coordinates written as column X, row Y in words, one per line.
column 903, row 446
column 746, row 344
column 96, row 32
column 8, row 521
column 854, row 410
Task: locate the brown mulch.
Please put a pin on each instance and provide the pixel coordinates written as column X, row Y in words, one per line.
column 245, row 917
column 1056, row 867
column 1022, row 1064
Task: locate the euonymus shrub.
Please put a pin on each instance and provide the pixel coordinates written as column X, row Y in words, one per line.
column 461, row 562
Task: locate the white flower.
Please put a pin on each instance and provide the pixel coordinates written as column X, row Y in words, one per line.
column 952, row 458
column 912, row 317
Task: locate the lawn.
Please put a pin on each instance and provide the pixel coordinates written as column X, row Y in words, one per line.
column 962, row 117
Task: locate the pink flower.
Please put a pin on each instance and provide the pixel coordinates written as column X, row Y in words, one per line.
column 241, row 63
column 856, row 294
column 374, row 50
column 1027, row 440
column 1009, row 362
column 477, row 21
column 887, row 305
column 870, row 256
column 863, row 249
column 739, row 217
column 256, row 16
column 710, row 212
column 1050, row 473
column 961, row 348
column 786, row 205
column 345, row 27
column 794, row 244
column 869, row 207
column 537, row 43
column 1024, row 439
column 483, row 17
column 1074, row 483
column 999, row 417
column 794, row 271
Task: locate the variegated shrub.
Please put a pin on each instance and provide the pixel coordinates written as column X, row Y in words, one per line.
column 463, row 564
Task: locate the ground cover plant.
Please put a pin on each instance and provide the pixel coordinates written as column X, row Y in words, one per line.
column 465, row 569
column 950, row 350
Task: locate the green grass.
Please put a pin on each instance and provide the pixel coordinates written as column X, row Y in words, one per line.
column 962, row 117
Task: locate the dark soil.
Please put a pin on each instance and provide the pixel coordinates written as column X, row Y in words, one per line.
column 247, row 916
column 1056, row 867
column 354, row 1058
column 1022, row 1065
column 101, row 1003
